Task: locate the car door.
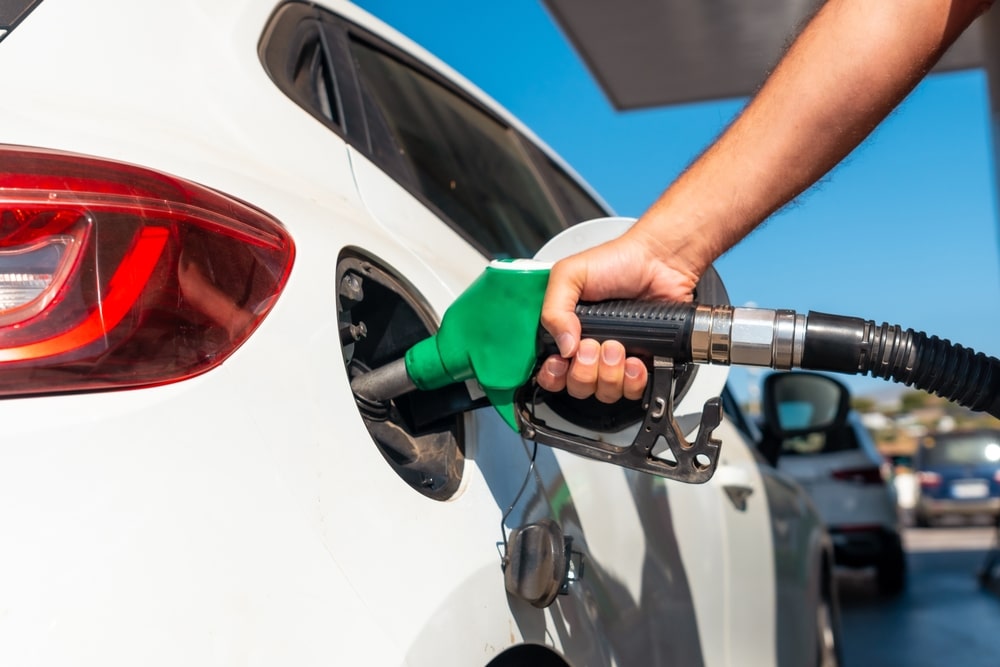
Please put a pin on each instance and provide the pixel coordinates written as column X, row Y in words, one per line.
column 661, row 563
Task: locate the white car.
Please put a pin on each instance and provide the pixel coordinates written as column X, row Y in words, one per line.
column 832, row 455
column 212, row 216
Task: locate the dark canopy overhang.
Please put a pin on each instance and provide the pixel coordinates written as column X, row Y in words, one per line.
column 649, row 53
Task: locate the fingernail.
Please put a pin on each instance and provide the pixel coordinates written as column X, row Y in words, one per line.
column 556, row 366
column 611, row 354
column 587, row 354
column 565, row 343
column 631, row 371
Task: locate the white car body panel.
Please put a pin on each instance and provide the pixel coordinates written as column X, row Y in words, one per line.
column 244, row 516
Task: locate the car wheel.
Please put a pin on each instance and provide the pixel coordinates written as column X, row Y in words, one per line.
column 828, row 627
column 890, row 571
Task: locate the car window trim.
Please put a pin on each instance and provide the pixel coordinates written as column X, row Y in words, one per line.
column 278, row 35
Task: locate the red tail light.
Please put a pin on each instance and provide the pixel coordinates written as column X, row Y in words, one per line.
column 116, row 276
column 865, row 475
column 929, row 480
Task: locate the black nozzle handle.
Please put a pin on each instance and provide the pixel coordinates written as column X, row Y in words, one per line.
column 647, row 329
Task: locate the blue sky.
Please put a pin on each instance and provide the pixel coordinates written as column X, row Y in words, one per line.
column 903, row 231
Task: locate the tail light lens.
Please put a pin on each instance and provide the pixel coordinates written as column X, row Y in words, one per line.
column 115, row 276
column 929, row 480
column 864, row 475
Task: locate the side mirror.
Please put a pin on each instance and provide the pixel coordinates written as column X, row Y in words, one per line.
column 800, row 403
column 799, row 411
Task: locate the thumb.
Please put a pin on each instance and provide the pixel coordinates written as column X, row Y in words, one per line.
column 559, row 316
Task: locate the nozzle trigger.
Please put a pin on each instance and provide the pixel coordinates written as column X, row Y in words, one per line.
column 693, row 463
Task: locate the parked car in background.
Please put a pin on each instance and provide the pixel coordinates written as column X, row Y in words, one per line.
column 213, row 215
column 959, row 476
column 831, row 454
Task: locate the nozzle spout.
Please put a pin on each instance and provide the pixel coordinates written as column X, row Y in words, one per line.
column 383, row 384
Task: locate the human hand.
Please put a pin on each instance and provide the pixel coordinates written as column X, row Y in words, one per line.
column 635, row 265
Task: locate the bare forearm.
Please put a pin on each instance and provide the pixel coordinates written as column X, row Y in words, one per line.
column 854, row 62
column 851, row 66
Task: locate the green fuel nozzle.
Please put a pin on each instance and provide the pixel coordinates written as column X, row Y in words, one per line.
column 489, row 334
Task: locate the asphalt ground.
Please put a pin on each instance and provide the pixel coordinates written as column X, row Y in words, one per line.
column 948, row 616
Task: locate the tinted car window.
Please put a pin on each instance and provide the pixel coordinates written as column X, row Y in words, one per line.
column 457, row 157
column 294, row 54
column 311, row 77
column 571, row 196
column 576, row 203
column 13, row 12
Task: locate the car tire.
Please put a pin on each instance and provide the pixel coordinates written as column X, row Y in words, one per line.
column 890, row 571
column 828, row 647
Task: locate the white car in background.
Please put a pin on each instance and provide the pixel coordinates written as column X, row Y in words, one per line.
column 212, row 216
column 833, row 456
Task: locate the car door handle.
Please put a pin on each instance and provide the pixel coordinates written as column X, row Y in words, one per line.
column 736, row 483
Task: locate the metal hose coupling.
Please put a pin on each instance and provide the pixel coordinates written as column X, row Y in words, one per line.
column 747, row 336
